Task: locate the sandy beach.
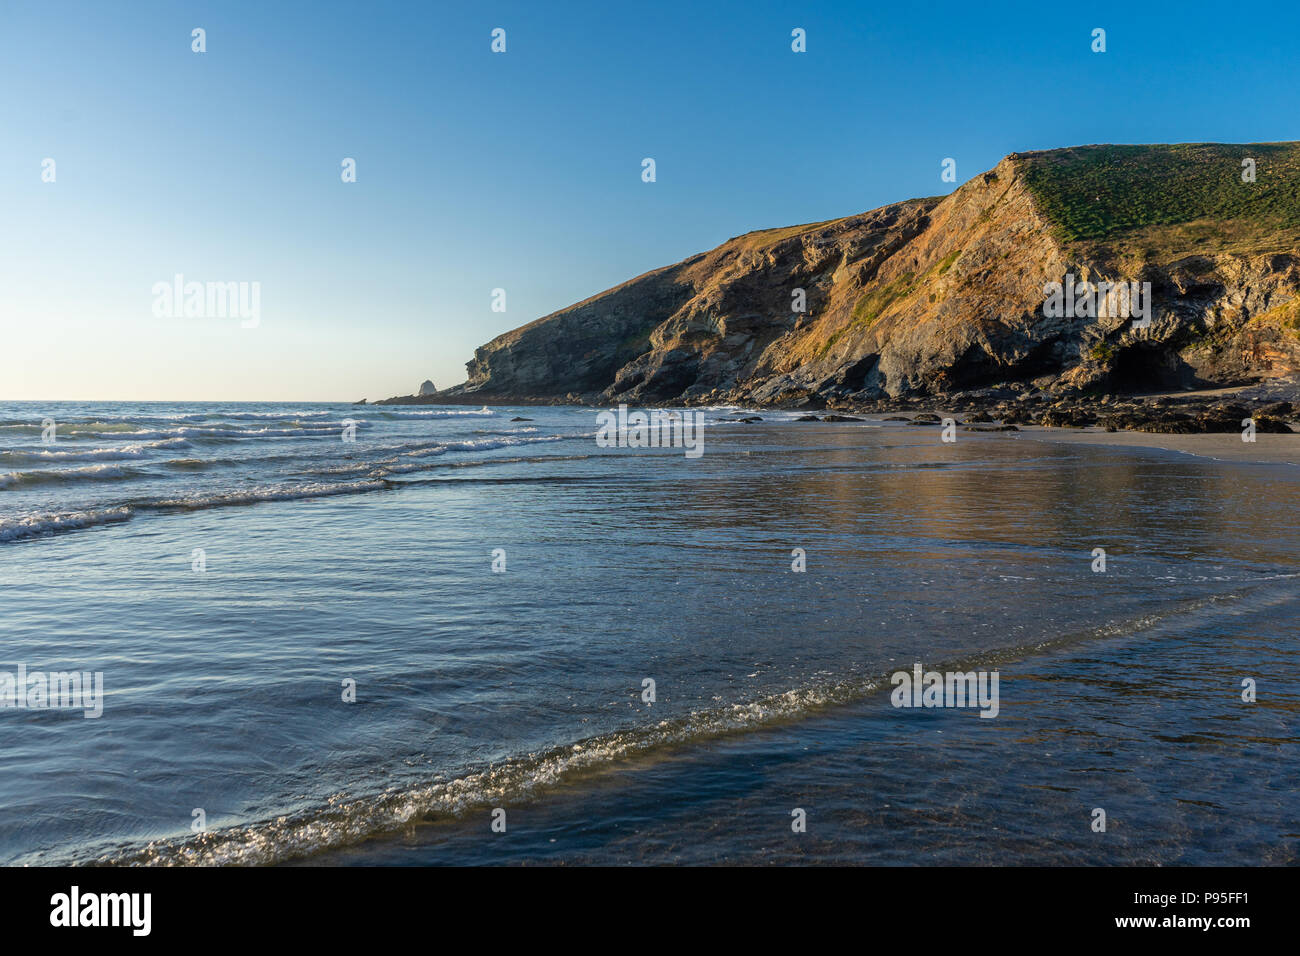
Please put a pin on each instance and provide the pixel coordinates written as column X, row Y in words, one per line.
column 1266, row 448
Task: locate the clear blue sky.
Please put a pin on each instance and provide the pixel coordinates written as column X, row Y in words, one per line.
column 519, row 170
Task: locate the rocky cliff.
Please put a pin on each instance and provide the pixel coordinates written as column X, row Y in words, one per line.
column 943, row 295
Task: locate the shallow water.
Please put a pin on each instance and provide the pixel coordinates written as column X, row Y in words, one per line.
column 371, row 561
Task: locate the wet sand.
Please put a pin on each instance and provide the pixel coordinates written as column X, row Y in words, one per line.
column 1267, row 448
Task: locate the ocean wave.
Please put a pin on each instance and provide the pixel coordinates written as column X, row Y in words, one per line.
column 482, row 412
column 197, row 501
column 124, row 453
column 114, row 421
column 203, row 432
column 369, row 476
column 485, row 444
column 345, row 819
column 43, row 524
column 342, row 821
column 20, row 479
column 138, row 432
column 92, row 427
column 394, row 465
column 248, row 416
column 39, row 525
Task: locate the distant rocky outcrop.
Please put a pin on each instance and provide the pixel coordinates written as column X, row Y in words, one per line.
column 427, row 388
column 932, row 297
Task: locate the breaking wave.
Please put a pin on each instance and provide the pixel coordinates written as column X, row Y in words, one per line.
column 344, row 819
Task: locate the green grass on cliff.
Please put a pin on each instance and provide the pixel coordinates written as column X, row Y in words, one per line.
column 1286, row 316
column 869, row 307
column 1094, row 193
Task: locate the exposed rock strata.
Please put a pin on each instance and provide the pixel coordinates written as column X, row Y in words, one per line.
column 932, row 298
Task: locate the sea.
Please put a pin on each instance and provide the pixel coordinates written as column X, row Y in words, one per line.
column 327, row 634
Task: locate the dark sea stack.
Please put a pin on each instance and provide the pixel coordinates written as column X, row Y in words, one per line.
column 945, row 296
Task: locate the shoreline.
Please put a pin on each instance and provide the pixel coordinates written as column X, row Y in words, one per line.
column 1267, row 448
column 1270, row 449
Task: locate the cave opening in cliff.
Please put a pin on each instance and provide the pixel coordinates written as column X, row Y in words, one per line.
column 854, row 377
column 1149, row 368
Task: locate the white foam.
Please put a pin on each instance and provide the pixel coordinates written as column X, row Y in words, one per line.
column 247, row 416
column 342, row 821
column 268, row 493
column 312, row 429
column 124, row 453
column 42, row 477
column 35, row 525
column 483, row 444
column 482, row 412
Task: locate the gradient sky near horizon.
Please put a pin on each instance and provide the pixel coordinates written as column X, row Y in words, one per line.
column 519, row 170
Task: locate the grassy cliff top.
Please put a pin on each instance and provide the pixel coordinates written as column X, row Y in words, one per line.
column 1137, row 193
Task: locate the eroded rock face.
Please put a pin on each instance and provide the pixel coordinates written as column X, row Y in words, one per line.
column 427, row 388
column 925, row 297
